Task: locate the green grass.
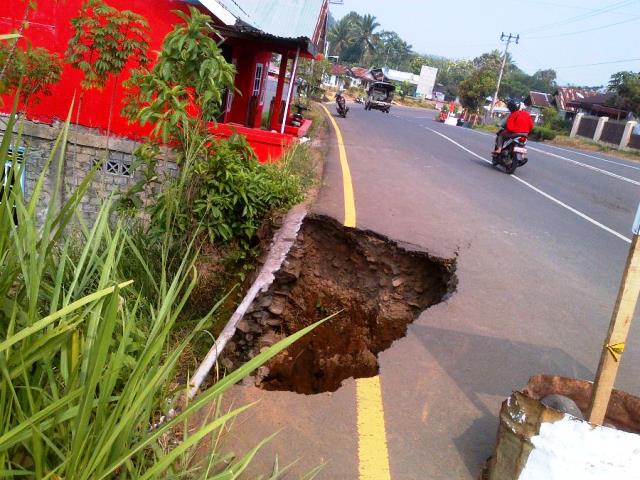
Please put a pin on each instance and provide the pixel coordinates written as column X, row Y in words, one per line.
column 86, row 360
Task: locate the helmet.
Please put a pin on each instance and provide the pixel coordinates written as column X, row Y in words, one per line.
column 513, row 106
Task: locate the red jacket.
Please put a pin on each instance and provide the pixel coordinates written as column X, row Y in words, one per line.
column 519, row 122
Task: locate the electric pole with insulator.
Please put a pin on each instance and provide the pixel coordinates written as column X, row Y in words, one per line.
column 508, row 39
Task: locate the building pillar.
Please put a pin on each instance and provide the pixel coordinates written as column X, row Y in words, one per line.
column 576, row 124
column 599, row 128
column 626, row 136
column 277, row 100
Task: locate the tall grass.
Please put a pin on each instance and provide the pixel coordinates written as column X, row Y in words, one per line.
column 85, row 361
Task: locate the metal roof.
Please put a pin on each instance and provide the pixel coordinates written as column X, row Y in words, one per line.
column 279, row 18
column 564, row 95
column 539, row 99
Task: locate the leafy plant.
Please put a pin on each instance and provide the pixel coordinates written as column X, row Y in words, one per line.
column 85, row 360
column 30, row 5
column 34, row 71
column 224, row 191
column 105, row 39
column 187, row 83
column 312, row 73
column 626, row 87
column 104, row 42
column 475, row 89
column 543, row 133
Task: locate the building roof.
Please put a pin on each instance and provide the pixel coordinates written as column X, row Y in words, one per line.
column 359, row 72
column 598, row 103
column 564, row 95
column 538, row 99
column 291, row 19
column 337, row 69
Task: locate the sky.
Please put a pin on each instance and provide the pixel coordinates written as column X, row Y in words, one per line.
column 567, row 35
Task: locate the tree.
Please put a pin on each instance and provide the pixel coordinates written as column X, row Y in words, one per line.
column 364, row 35
column 474, row 90
column 29, row 7
column 105, row 40
column 493, row 61
column 312, row 73
column 340, row 37
column 32, row 72
column 391, row 51
column 186, row 85
column 626, row 88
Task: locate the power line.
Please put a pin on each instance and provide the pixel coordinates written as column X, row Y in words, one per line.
column 561, row 5
column 583, row 16
column 602, row 27
column 601, row 63
column 508, row 39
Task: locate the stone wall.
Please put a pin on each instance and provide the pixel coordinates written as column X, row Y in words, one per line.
column 85, row 148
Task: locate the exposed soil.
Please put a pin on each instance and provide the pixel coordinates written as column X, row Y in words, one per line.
column 378, row 286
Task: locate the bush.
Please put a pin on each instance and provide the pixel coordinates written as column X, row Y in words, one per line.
column 551, row 120
column 543, row 133
column 86, row 358
column 223, row 191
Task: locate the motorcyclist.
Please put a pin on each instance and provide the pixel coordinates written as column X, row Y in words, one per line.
column 342, row 104
column 518, row 123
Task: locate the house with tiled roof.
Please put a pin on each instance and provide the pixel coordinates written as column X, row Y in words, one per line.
column 536, row 101
column 565, row 95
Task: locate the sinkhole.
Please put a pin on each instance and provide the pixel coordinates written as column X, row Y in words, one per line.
column 378, row 285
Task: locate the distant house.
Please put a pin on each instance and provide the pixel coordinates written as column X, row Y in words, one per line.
column 362, row 77
column 565, row 95
column 599, row 105
column 535, row 102
column 337, row 76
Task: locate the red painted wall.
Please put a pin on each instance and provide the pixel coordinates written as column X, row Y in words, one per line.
column 50, row 28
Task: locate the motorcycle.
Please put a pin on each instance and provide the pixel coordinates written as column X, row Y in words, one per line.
column 360, row 100
column 341, row 106
column 513, row 153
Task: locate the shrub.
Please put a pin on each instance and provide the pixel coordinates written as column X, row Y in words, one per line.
column 85, row 357
column 543, row 133
column 552, row 121
column 223, row 191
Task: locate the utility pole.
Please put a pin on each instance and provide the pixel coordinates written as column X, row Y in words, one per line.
column 508, row 38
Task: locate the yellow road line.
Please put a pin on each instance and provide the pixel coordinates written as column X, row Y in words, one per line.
column 372, row 446
column 349, row 201
column 373, row 453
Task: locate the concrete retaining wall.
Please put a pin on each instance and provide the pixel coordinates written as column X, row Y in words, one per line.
column 603, row 130
column 85, row 148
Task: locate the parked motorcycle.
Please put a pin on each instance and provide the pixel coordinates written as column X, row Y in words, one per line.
column 341, row 106
column 359, row 100
column 513, row 153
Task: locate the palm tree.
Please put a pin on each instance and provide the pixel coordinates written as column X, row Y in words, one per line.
column 341, row 36
column 364, row 34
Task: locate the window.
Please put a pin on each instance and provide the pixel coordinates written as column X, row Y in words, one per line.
column 115, row 167
column 257, row 82
column 118, row 167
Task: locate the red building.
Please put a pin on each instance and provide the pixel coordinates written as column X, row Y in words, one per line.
column 253, row 30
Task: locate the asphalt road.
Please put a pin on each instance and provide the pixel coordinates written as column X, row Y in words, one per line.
column 539, row 265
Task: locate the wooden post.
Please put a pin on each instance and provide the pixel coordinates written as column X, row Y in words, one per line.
column 277, row 105
column 613, row 348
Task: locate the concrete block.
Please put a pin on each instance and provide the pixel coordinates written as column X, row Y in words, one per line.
column 599, row 128
column 576, row 124
column 626, row 135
